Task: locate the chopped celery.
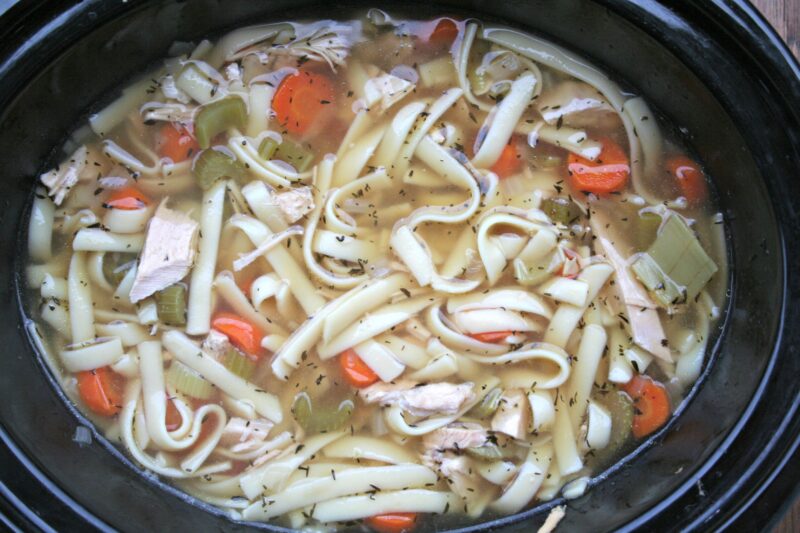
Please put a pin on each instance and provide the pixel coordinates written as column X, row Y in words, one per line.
column 663, row 288
column 219, row 116
column 529, row 275
column 116, row 265
column 320, row 419
column 620, row 407
column 680, row 261
column 294, row 154
column 212, row 165
column 561, row 210
column 486, row 452
column 189, row 382
column 267, row 148
column 171, row 304
column 488, row 404
column 647, row 225
column 240, row 364
column 288, row 151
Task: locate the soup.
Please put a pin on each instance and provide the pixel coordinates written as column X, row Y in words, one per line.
column 394, row 272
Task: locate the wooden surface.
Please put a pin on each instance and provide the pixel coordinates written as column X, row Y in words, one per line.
column 784, row 15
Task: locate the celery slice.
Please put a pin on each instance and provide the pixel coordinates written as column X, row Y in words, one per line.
column 239, row 364
column 488, row 404
column 189, row 382
column 267, row 148
column 561, row 210
column 662, row 287
column 219, row 116
column 287, row 151
column 294, row 154
column 116, row 265
column 647, row 225
column 487, row 452
column 212, row 165
column 675, row 262
column 171, row 304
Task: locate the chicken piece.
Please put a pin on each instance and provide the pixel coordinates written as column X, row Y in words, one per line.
column 168, row 253
column 513, row 416
column 459, row 473
column 64, row 177
column 243, row 435
column 645, row 324
column 456, row 436
column 420, row 400
column 217, row 344
column 386, row 89
column 576, row 104
column 295, row 204
column 551, row 522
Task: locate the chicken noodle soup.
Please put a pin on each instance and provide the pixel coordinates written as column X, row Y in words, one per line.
column 386, row 271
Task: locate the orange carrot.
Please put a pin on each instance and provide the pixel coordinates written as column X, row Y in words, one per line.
column 690, row 178
column 101, row 390
column 393, row 522
column 356, row 371
column 176, row 143
column 491, row 336
column 127, row 198
column 650, row 402
column 608, row 173
column 241, row 333
column 509, row 161
column 444, row 33
column 302, row 100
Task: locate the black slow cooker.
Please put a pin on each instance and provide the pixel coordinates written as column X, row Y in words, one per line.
column 729, row 460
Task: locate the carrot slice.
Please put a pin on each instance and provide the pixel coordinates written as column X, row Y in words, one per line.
column 176, row 143
column 241, row 333
column 650, row 402
column 608, row 173
column 444, row 33
column 393, row 522
column 509, row 161
column 127, row 198
column 491, row 336
column 302, row 100
column 355, row 370
column 690, row 178
column 101, row 390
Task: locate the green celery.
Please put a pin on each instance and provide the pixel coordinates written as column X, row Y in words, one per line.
column 217, row 117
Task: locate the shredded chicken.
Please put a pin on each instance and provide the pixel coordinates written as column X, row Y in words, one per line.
column 456, row 436
column 645, row 324
column 513, row 416
column 168, row 254
column 551, row 522
column 420, row 400
column 64, row 177
column 295, row 204
column 240, row 435
column 386, row 89
column 217, row 344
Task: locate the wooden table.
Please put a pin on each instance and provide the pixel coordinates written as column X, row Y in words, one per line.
column 784, row 15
